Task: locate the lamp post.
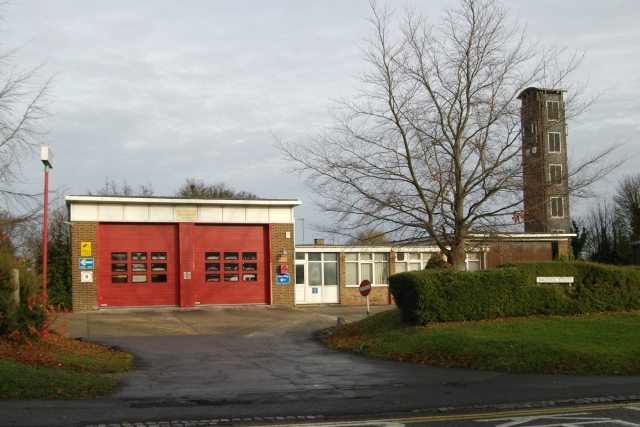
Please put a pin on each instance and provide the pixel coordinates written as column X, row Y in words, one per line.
column 47, row 160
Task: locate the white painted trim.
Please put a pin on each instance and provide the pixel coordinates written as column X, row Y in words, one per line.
column 179, row 201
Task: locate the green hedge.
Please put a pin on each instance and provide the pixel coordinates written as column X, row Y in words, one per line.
column 511, row 290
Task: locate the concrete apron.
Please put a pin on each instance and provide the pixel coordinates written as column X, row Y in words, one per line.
column 123, row 322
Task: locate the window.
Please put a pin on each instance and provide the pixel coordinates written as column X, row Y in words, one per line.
column 138, row 267
column 412, row 261
column 473, row 261
column 158, row 255
column 555, row 174
column 118, row 267
column 137, row 256
column 230, row 277
column 369, row 266
column 249, row 255
column 557, row 207
column 249, row 277
column 139, row 278
column 321, row 268
column 118, row 278
column 118, row 256
column 231, row 266
column 554, row 142
column 212, row 277
column 158, row 278
column 211, row 266
column 249, row 266
column 159, row 267
column 553, row 110
column 231, row 255
column 212, row 255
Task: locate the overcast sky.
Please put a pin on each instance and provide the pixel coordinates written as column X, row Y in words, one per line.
column 157, row 91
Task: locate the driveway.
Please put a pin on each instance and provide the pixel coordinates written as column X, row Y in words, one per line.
column 268, row 361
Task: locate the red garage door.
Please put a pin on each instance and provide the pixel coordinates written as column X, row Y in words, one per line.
column 231, row 264
column 138, row 265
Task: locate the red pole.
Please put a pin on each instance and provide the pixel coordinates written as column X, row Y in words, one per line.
column 45, row 332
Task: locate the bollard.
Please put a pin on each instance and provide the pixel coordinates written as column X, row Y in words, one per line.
column 15, row 280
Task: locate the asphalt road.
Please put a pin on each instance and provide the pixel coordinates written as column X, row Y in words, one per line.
column 184, row 371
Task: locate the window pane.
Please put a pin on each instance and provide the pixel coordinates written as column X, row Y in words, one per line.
column 212, row 266
column 414, row 256
column 231, row 255
column 299, row 274
column 158, row 255
column 118, row 278
column 249, row 266
column 382, row 257
column 118, row 267
column 138, row 256
column 139, row 267
column 473, row 256
column 231, row 277
column 366, row 257
column 351, row 257
column 399, row 256
column 212, row 255
column 366, row 272
column 381, row 273
column 231, row 266
column 426, row 256
column 252, row 277
column 300, row 255
column 139, row 278
column 330, row 273
column 351, row 270
column 315, row 274
column 473, row 265
column 159, row 267
column 315, row 257
column 415, row 266
column 212, row 277
column 158, row 278
column 330, row 257
column 249, row 255
column 119, row 256
column 401, row 267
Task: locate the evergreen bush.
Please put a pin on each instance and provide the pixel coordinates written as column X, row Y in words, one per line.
column 511, row 290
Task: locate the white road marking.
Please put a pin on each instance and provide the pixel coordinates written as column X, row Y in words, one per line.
column 571, row 420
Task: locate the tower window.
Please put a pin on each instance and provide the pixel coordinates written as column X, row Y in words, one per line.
column 555, row 174
column 554, row 142
column 557, row 207
column 553, row 110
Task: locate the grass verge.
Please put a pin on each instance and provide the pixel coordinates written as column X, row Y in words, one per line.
column 596, row 344
column 59, row 368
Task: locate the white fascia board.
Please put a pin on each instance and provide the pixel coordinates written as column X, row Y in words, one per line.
column 179, row 201
column 521, row 236
column 364, row 249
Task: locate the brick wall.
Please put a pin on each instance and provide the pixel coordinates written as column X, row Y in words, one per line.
column 282, row 294
column 351, row 295
column 84, row 295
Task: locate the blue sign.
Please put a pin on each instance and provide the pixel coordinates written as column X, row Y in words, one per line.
column 314, row 290
column 282, row 279
column 85, row 263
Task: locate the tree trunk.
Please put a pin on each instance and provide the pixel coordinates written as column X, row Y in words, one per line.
column 457, row 258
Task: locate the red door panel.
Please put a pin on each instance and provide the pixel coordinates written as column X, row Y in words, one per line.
column 138, row 265
column 231, row 265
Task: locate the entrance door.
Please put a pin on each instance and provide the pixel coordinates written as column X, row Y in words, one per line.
column 316, row 278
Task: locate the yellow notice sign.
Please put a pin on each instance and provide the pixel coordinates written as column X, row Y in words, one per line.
column 186, row 214
column 85, row 248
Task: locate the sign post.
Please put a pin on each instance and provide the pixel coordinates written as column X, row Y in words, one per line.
column 365, row 289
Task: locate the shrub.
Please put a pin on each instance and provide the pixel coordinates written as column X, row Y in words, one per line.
column 448, row 295
column 24, row 321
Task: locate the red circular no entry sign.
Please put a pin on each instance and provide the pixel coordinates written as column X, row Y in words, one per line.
column 365, row 288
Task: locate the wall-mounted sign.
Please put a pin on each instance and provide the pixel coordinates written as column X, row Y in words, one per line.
column 186, row 214
column 186, row 275
column 282, row 279
column 86, row 277
column 85, row 248
column 85, row 263
column 554, row 279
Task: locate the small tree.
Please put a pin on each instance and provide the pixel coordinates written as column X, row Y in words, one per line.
column 198, row 189
column 627, row 198
column 430, row 147
column 370, row 238
column 112, row 188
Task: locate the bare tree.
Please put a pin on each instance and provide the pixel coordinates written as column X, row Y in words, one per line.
column 430, row 147
column 24, row 102
column 369, row 238
column 112, row 188
column 198, row 189
column 627, row 198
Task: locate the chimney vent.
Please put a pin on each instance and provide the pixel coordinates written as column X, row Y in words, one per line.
column 318, row 241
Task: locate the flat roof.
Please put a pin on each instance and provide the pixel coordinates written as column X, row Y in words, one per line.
column 181, row 201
